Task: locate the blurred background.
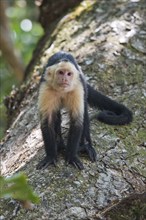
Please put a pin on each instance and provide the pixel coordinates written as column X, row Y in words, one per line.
column 19, row 33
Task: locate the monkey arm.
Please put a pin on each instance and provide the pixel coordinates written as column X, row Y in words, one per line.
column 74, row 136
column 48, row 133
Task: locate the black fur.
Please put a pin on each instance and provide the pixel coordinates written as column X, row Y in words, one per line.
column 112, row 113
column 62, row 56
column 49, row 137
column 79, row 138
column 73, row 142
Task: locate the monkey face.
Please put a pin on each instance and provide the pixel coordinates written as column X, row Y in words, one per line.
column 62, row 76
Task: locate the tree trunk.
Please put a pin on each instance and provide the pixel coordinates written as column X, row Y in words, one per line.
column 51, row 10
column 108, row 39
column 6, row 45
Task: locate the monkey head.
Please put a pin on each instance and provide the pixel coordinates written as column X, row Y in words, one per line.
column 62, row 76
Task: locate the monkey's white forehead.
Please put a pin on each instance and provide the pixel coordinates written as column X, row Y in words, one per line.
column 67, row 66
column 62, row 66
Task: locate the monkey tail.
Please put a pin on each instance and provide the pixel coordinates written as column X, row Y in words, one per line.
column 112, row 112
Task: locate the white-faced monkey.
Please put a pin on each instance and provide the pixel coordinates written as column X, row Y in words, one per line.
column 63, row 85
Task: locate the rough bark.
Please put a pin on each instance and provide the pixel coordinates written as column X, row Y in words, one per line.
column 108, row 39
column 51, row 10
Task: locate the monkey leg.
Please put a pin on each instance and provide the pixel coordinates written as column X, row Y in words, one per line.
column 75, row 132
column 86, row 143
column 49, row 136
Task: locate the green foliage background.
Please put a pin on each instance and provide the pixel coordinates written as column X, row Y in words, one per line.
column 24, row 42
column 17, row 187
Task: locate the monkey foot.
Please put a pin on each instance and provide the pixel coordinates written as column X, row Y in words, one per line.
column 43, row 164
column 75, row 162
column 91, row 153
column 89, row 150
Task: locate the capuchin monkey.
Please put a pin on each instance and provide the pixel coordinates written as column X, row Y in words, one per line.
column 63, row 85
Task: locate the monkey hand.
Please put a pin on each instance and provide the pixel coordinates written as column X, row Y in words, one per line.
column 91, row 152
column 75, row 161
column 46, row 162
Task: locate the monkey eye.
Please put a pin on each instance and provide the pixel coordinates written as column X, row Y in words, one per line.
column 60, row 72
column 69, row 73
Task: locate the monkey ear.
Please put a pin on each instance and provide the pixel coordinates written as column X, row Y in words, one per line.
column 47, row 71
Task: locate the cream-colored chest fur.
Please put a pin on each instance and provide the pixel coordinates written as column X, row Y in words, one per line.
column 51, row 101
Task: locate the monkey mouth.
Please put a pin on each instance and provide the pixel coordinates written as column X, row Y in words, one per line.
column 64, row 85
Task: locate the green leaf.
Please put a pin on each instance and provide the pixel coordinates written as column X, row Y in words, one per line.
column 16, row 187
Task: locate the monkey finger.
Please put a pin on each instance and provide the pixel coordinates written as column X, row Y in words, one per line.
column 90, row 151
column 76, row 163
column 92, row 154
column 43, row 164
